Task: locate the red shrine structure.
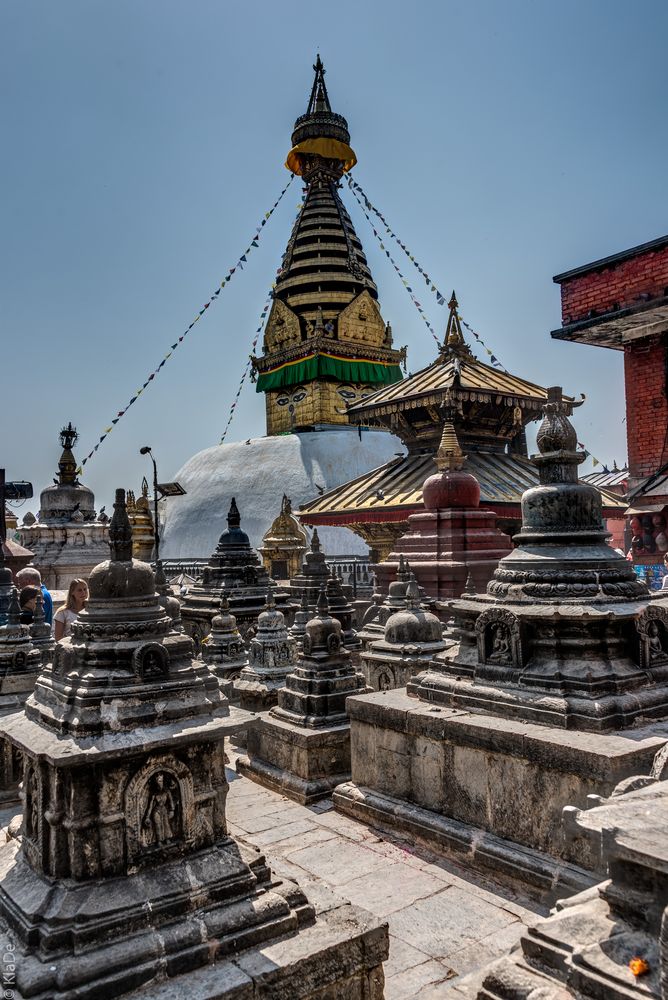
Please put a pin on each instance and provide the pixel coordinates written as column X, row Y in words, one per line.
column 621, row 302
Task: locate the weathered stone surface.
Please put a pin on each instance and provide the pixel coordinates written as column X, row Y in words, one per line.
column 272, row 655
column 125, row 874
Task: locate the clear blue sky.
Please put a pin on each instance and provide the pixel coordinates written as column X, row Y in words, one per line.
column 504, row 141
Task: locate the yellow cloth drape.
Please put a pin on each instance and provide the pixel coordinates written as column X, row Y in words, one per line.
column 332, row 149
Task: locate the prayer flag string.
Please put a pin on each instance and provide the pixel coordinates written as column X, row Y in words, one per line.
column 440, row 298
column 256, row 337
column 392, row 261
column 254, row 242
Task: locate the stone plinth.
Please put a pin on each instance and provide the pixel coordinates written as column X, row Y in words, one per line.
column 125, row 875
column 453, row 540
column 490, row 791
column 272, row 655
column 234, row 568
column 303, row 745
column 66, row 539
column 610, row 942
column 411, row 639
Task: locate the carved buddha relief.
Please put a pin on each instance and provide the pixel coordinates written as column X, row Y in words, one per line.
column 652, row 627
column 498, row 638
column 159, row 808
column 162, row 816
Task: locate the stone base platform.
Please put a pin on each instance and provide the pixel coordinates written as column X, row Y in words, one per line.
column 256, row 695
column 509, row 778
column 100, row 939
column 304, row 764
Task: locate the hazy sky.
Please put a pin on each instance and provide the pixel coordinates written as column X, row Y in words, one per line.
column 144, row 141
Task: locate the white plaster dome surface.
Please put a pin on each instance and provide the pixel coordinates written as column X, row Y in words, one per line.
column 257, row 474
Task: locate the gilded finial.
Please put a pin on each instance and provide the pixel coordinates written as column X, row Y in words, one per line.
column 120, row 531
column 453, row 331
column 449, row 457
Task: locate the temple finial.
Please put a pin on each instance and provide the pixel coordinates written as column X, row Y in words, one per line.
column 449, row 457
column 271, row 603
column 315, row 541
column 412, row 592
column 454, row 338
column 67, row 466
column 233, row 515
column 120, row 531
column 469, row 586
column 319, row 99
column 322, row 607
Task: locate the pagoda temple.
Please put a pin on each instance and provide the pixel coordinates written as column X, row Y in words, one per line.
column 326, row 345
column 492, row 411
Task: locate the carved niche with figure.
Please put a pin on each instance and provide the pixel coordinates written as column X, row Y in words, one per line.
column 499, row 638
column 159, row 809
column 652, row 628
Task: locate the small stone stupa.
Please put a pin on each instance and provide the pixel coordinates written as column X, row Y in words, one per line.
column 302, row 747
column 453, row 538
column 125, row 874
column 301, row 620
column 314, row 574
column 66, row 539
column 551, row 693
column 412, row 638
column 40, row 631
column 20, row 662
column 141, row 520
column 272, row 654
column 343, row 611
column 284, row 544
column 224, row 650
column 235, row 568
column 381, row 608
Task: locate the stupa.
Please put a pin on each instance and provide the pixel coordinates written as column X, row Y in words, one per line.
column 141, row 520
column 314, row 574
column 168, row 601
column 284, row 544
column 234, row 568
column 125, row 874
column 547, row 697
column 20, row 662
column 411, row 638
column 272, row 654
column 302, row 746
column 66, row 540
column 382, row 607
column 224, row 651
column 325, row 345
column 301, row 620
column 453, row 538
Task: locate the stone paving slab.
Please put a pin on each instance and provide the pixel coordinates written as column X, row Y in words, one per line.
column 445, row 921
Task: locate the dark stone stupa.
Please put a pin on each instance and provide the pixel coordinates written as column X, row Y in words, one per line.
column 125, row 874
column 566, row 634
column 236, row 570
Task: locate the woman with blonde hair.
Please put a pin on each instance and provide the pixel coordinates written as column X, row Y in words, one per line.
column 77, row 595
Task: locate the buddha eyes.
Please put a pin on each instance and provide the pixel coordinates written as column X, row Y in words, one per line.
column 297, row 396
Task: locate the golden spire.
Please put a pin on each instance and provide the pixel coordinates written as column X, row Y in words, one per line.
column 453, row 331
column 449, row 457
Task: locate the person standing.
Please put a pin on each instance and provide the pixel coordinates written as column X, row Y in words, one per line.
column 77, row 595
column 31, row 577
column 27, row 599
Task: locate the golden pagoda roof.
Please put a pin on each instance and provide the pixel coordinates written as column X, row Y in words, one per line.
column 393, row 491
column 462, row 376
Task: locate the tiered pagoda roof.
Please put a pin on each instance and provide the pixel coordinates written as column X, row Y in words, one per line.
column 492, row 410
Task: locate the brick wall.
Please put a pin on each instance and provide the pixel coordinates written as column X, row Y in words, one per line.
column 621, row 284
column 646, row 404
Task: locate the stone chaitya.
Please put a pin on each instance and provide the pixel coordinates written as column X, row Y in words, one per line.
column 235, row 568
column 272, row 654
column 301, row 620
column 66, row 539
column 314, row 574
column 41, row 635
column 412, row 637
column 548, row 695
column 341, row 609
column 382, row 608
column 302, row 746
column 125, row 873
column 224, row 650
column 20, row 662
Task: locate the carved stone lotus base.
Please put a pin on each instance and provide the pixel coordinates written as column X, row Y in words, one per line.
column 304, row 764
column 507, row 777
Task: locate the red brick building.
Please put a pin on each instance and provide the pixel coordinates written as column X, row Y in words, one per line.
column 621, row 302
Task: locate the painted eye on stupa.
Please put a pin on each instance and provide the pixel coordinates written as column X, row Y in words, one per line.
column 296, row 396
column 347, row 392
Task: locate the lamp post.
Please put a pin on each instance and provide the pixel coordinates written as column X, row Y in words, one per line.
column 160, row 490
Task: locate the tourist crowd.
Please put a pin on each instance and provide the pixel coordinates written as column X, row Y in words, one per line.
column 30, row 585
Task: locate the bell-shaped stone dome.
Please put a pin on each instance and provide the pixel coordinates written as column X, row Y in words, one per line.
column 121, row 577
column 412, row 624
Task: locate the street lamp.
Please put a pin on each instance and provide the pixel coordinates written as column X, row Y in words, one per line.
column 160, row 490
